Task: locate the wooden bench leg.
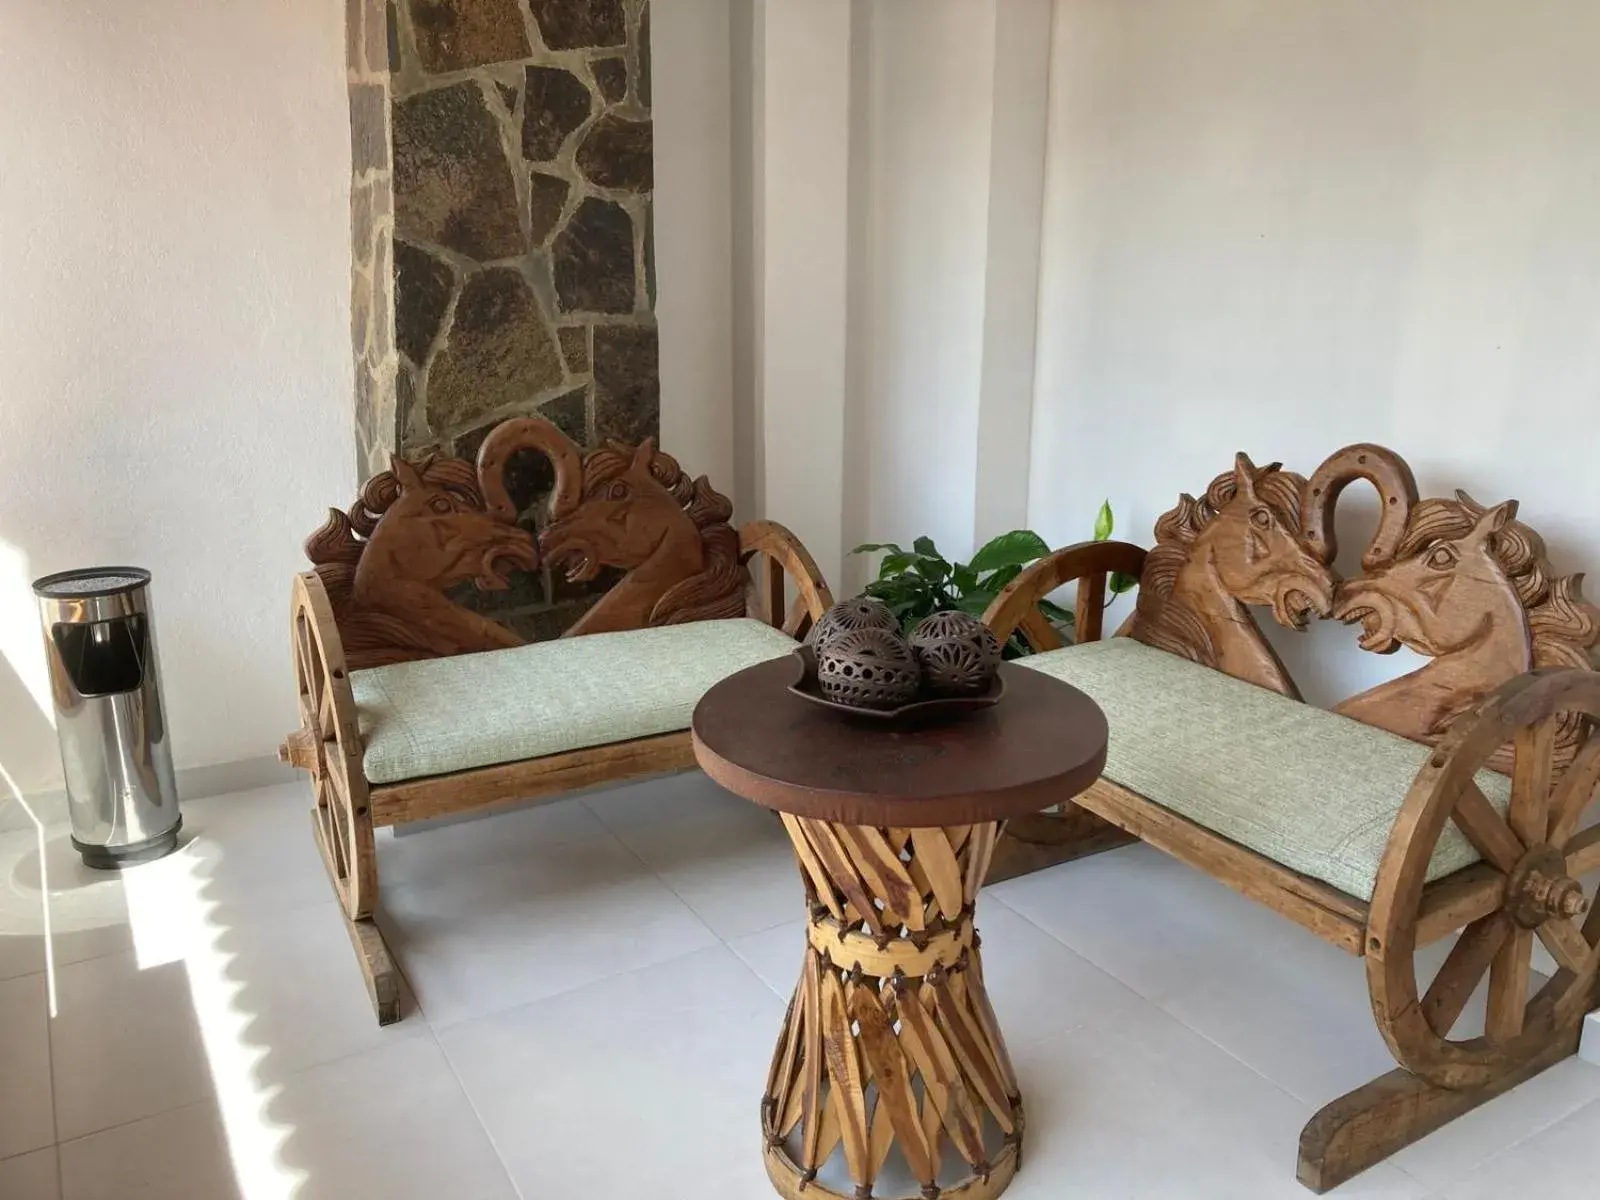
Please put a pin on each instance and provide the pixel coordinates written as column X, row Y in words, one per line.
column 1536, row 858
column 1044, row 839
column 377, row 966
column 328, row 747
column 1366, row 1126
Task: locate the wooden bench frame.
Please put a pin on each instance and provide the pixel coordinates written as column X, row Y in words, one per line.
column 1538, row 725
column 378, row 595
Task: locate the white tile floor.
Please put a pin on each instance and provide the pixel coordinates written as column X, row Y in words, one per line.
column 597, row 984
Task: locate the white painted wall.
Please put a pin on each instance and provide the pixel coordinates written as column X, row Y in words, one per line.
column 174, row 375
column 896, row 148
column 691, row 90
column 1018, row 120
column 923, row 247
column 1286, row 225
column 805, row 152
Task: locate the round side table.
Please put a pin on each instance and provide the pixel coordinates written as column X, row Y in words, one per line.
column 890, row 1039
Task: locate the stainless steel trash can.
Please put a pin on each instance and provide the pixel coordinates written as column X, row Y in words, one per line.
column 115, row 746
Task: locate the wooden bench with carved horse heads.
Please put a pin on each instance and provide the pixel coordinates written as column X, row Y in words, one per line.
column 414, row 706
column 1452, row 802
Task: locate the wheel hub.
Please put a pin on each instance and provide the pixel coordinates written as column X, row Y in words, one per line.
column 1540, row 889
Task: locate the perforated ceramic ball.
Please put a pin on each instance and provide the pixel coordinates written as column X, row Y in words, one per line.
column 957, row 654
column 868, row 668
column 859, row 612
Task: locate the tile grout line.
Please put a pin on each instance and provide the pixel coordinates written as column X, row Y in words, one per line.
column 55, row 1116
column 99, row 955
column 494, row 1146
column 1073, row 950
column 427, row 1031
column 637, row 970
column 1160, row 1006
column 1592, row 1102
column 659, row 878
column 782, row 998
column 607, row 832
column 1315, row 1108
column 460, row 1083
column 213, row 1099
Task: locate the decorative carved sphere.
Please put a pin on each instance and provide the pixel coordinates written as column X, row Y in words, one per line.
column 867, row 668
column 957, row 654
column 860, row 612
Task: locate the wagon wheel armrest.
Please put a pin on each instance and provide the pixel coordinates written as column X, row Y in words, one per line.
column 1528, row 888
column 786, row 559
column 1090, row 563
column 319, row 652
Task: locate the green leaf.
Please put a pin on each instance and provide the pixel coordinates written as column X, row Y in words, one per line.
column 963, row 578
column 975, row 603
column 869, row 547
column 935, row 570
column 1103, row 522
column 1014, row 549
column 1121, row 582
column 894, row 564
column 924, row 545
column 996, row 580
column 1055, row 612
column 898, row 588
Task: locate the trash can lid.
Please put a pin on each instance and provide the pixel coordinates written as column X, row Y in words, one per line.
column 91, row 581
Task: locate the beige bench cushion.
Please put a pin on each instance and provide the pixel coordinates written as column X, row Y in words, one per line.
column 475, row 710
column 1307, row 788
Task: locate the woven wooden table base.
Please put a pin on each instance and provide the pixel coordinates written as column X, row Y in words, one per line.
column 890, row 1040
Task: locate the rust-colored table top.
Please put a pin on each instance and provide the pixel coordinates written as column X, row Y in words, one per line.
column 1041, row 745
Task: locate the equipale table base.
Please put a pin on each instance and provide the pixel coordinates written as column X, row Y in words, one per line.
column 890, row 1041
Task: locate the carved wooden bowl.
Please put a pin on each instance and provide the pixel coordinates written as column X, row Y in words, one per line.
column 956, row 653
column 847, row 616
column 913, row 712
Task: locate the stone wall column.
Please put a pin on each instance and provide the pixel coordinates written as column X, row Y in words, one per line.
column 507, row 268
column 523, row 170
column 369, row 37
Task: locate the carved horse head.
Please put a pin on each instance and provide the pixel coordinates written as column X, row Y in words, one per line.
column 632, row 509
column 1471, row 588
column 626, row 517
column 1448, row 588
column 434, row 531
column 1256, row 548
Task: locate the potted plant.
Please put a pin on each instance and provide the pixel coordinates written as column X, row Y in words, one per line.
column 920, row 581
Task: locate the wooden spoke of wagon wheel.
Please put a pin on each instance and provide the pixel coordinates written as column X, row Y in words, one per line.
column 1540, row 859
column 309, row 684
column 330, row 730
column 776, row 559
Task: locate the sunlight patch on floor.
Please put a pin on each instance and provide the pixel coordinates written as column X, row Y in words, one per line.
column 40, row 909
column 171, row 918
